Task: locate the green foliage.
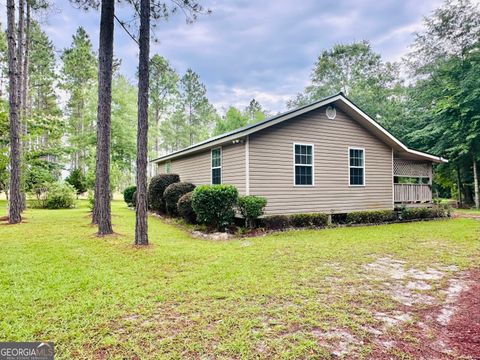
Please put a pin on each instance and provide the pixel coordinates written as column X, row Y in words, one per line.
column 251, row 207
column 172, row 194
column 419, row 213
column 371, row 217
column 134, row 199
column 90, row 200
column 276, row 222
column 309, row 220
column 361, row 74
column 56, row 196
column 214, row 205
column 185, row 209
column 128, row 194
column 235, row 119
column 38, row 174
column 78, row 181
column 163, row 97
column 157, row 187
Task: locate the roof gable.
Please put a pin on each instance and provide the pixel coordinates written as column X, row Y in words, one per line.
column 339, row 100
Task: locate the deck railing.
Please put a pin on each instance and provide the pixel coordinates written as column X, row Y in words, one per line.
column 412, row 193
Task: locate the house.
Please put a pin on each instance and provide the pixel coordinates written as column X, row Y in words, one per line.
column 328, row 156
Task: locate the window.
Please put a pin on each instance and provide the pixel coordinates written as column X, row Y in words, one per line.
column 168, row 167
column 356, row 158
column 217, row 166
column 303, row 155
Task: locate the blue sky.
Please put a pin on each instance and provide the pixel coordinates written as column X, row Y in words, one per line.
column 257, row 48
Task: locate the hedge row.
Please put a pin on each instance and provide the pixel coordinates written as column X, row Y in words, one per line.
column 279, row 222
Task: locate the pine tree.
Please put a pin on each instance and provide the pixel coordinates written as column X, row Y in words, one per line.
column 79, row 75
column 141, row 224
column 15, row 206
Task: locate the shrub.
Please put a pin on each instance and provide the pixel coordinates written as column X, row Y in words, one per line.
column 371, row 217
column 251, row 207
column 128, row 194
column 214, row 205
column 276, row 222
column 56, row 196
column 309, row 220
column 424, row 212
column 134, row 199
column 185, row 209
column 157, row 187
column 173, row 192
column 78, row 181
column 90, row 200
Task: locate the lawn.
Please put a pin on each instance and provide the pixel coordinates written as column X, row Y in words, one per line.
column 297, row 294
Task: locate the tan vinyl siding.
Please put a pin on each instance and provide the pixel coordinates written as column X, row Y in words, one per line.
column 197, row 168
column 233, row 166
column 272, row 169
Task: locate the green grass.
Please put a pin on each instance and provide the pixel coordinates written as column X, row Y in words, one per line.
column 181, row 297
column 467, row 211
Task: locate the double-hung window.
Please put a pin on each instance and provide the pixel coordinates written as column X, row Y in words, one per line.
column 217, row 166
column 356, row 159
column 303, row 163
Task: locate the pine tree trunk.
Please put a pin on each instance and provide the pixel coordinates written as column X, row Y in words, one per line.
column 20, row 101
column 475, row 184
column 459, row 185
column 15, row 206
column 141, row 225
column 25, row 70
column 102, row 211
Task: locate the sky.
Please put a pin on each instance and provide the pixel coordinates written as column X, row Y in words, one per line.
column 262, row 49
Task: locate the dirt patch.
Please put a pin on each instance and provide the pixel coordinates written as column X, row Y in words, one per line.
column 463, row 330
column 448, row 329
column 338, row 342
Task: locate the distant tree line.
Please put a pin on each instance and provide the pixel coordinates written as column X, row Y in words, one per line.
column 434, row 106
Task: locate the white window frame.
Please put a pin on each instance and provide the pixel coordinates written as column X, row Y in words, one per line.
column 216, row 167
column 312, row 165
column 358, row 167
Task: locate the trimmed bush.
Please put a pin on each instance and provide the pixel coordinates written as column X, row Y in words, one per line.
column 371, row 217
column 185, row 209
column 276, row 222
column 309, row 220
column 251, row 207
column 157, row 187
column 419, row 213
column 134, row 199
column 57, row 196
column 214, row 205
column 128, row 194
column 173, row 193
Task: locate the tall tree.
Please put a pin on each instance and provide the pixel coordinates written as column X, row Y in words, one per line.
column 232, row 120
column 102, row 209
column 357, row 71
column 163, row 95
column 79, row 75
column 255, row 112
column 195, row 102
column 15, row 206
column 444, row 96
column 43, row 150
column 141, row 224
